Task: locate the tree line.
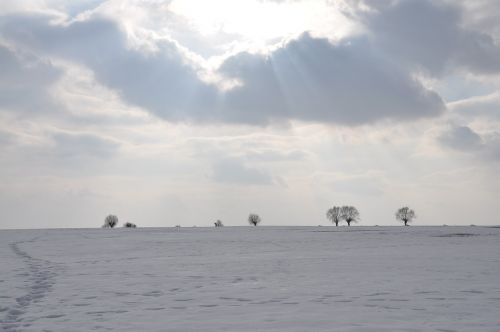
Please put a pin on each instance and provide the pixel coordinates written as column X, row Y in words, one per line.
column 336, row 214
column 350, row 214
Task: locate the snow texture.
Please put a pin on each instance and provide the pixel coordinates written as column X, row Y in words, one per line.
column 251, row 279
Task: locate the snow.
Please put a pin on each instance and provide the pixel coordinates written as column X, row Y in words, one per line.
column 251, row 279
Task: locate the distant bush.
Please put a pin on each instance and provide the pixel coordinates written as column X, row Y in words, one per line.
column 129, row 225
column 110, row 221
column 218, row 223
column 254, row 219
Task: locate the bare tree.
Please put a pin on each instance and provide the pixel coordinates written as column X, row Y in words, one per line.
column 334, row 215
column 405, row 214
column 253, row 219
column 110, row 221
column 349, row 214
column 218, row 223
column 129, row 225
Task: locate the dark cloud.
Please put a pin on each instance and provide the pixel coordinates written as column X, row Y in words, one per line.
column 431, row 35
column 464, row 139
column 461, row 138
column 311, row 79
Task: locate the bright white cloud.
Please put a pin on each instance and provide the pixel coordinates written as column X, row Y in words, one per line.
column 263, row 22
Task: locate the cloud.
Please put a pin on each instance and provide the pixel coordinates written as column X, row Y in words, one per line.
column 6, row 138
column 160, row 81
column 25, row 82
column 306, row 79
column 78, row 145
column 311, row 79
column 272, row 155
column 41, row 150
column 461, row 138
column 233, row 171
column 358, row 185
column 430, row 35
column 487, row 106
column 482, row 15
column 464, row 139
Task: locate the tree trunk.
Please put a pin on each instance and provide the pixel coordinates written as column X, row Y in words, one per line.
column 337, row 223
column 406, row 222
column 348, row 222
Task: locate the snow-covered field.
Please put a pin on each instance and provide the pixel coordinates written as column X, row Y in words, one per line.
column 251, row 279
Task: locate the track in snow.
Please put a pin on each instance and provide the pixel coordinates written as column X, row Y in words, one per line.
column 38, row 278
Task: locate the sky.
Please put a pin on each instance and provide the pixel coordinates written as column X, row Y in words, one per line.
column 182, row 112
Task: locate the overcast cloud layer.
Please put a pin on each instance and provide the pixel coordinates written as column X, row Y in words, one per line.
column 119, row 107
